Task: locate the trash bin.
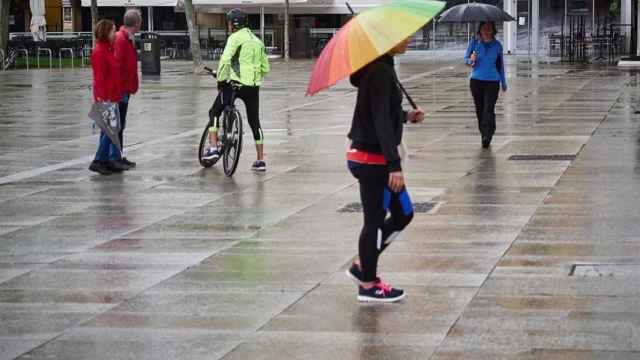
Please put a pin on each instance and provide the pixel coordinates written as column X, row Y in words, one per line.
column 150, row 54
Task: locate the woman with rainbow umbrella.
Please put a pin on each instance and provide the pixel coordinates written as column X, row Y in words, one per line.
column 364, row 49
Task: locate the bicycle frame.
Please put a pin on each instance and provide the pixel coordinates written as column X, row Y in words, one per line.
column 235, row 87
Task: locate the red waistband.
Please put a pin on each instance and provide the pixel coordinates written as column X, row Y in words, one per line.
column 363, row 157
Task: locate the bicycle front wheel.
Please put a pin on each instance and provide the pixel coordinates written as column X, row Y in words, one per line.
column 202, row 149
column 233, row 141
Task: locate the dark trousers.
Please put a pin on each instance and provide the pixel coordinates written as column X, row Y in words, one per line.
column 250, row 95
column 123, row 106
column 377, row 199
column 485, row 96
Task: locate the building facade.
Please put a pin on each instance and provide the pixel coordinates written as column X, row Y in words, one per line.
column 538, row 21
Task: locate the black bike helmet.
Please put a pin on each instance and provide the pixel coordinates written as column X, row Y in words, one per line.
column 237, row 18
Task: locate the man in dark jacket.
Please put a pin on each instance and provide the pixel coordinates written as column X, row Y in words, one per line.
column 127, row 57
column 376, row 133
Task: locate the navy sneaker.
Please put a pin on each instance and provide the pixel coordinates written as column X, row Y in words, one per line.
column 355, row 273
column 211, row 154
column 259, row 166
column 380, row 293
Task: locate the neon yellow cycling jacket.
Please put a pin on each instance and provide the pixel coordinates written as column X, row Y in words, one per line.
column 244, row 59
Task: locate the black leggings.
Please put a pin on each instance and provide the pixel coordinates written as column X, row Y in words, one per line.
column 485, row 96
column 250, row 95
column 377, row 233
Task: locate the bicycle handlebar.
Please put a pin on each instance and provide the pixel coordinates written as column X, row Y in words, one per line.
column 235, row 84
column 210, row 71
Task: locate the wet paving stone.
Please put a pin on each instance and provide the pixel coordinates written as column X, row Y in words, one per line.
column 111, row 344
column 173, row 261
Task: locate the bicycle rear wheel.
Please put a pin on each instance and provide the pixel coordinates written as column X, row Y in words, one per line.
column 232, row 142
column 202, row 149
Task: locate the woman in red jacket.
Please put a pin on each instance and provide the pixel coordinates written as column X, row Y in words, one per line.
column 106, row 88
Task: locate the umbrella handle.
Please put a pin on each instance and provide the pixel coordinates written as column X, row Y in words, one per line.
column 406, row 94
column 350, row 8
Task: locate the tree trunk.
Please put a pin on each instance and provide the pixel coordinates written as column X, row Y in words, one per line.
column 286, row 30
column 194, row 35
column 4, row 24
column 94, row 19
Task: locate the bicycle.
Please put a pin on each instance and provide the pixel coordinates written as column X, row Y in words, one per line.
column 229, row 135
column 9, row 59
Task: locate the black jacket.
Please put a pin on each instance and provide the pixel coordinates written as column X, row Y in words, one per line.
column 378, row 118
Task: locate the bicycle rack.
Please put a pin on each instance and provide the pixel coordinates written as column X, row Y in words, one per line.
column 62, row 50
column 173, row 51
column 217, row 54
column 83, row 55
column 47, row 50
column 26, row 54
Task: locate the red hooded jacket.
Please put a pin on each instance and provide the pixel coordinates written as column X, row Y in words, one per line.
column 128, row 60
column 106, row 83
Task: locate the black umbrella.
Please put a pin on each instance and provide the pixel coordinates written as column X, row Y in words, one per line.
column 474, row 12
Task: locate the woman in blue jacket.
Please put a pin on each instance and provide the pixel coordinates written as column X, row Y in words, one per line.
column 485, row 56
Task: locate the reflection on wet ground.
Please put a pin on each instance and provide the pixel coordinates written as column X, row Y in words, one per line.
column 520, row 258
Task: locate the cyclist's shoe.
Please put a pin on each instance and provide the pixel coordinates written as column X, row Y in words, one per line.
column 211, row 154
column 355, row 273
column 380, row 293
column 259, row 166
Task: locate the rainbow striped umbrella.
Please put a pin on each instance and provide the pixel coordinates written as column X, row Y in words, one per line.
column 368, row 36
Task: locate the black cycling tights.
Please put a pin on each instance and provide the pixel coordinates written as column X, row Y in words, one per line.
column 250, row 95
column 378, row 232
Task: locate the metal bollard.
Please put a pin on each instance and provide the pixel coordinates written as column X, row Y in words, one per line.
column 70, row 51
column 50, row 57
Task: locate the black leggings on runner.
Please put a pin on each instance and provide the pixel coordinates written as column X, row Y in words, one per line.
column 250, row 95
column 378, row 232
column 485, row 96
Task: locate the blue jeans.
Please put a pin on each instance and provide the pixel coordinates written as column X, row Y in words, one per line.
column 106, row 150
